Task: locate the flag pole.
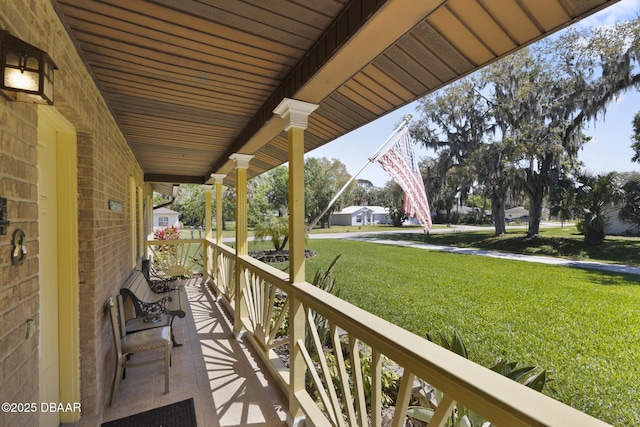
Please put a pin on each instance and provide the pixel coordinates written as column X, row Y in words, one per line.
column 369, row 160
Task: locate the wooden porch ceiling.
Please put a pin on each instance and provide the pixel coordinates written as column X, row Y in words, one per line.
column 191, row 82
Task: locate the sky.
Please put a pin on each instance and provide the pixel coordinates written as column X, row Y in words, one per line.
column 609, row 149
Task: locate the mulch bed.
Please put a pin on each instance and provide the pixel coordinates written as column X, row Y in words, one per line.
column 277, row 256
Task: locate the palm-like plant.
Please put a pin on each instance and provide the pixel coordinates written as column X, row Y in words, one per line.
column 275, row 228
column 593, row 195
column 631, row 209
column 529, row 376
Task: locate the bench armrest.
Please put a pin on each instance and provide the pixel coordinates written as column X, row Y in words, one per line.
column 143, row 308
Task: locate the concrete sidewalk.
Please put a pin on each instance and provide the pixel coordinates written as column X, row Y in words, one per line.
column 369, row 236
column 591, row 265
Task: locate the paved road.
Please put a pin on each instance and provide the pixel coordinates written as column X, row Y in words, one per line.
column 368, row 236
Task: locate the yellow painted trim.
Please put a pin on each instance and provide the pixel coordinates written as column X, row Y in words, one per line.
column 132, row 223
column 140, row 224
column 207, row 212
column 242, row 246
column 241, row 212
column 296, row 205
column 68, row 282
column 219, row 213
column 149, row 216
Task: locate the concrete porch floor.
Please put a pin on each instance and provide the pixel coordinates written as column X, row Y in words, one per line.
column 225, row 380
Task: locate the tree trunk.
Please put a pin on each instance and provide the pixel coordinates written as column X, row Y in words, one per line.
column 284, row 243
column 497, row 213
column 535, row 214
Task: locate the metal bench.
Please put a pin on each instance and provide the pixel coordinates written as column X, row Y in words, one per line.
column 152, row 308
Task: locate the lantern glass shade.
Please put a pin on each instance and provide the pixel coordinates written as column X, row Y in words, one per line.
column 27, row 72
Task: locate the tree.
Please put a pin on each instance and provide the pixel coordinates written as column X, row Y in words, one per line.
column 562, row 199
column 160, row 199
column 228, row 206
column 323, row 178
column 456, row 124
column 277, row 191
column 593, row 194
column 257, row 199
column 573, row 80
column 636, row 138
column 534, row 103
column 445, row 185
column 190, row 203
column 495, row 170
column 393, row 200
column 361, row 194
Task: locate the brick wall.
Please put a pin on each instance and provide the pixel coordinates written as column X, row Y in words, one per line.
column 18, row 286
column 105, row 164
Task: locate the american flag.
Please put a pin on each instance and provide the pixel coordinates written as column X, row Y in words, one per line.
column 401, row 163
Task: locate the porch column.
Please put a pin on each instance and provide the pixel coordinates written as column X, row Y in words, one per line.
column 296, row 114
column 242, row 246
column 207, row 211
column 215, row 253
column 218, row 178
column 208, row 255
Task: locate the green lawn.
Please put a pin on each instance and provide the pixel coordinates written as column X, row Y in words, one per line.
column 557, row 242
column 582, row 325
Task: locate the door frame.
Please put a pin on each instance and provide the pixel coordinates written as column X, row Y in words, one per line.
column 67, row 246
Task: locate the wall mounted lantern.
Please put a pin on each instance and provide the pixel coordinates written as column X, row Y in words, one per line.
column 26, row 71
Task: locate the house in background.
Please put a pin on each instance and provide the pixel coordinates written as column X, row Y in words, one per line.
column 361, row 215
column 517, row 212
column 615, row 226
column 164, row 217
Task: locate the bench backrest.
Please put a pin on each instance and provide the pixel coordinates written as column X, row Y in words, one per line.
column 137, row 284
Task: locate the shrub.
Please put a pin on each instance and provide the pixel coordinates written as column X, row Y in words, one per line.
column 529, row 376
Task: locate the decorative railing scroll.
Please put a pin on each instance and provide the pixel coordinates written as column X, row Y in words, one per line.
column 266, row 302
column 223, row 272
column 181, row 257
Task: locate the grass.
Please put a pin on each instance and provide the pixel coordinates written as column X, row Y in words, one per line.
column 582, row 325
column 557, row 242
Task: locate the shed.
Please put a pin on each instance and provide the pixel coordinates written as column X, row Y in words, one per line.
column 164, row 217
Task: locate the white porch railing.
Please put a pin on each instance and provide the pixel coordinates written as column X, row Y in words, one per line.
column 344, row 349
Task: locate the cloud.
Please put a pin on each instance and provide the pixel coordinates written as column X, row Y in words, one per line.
column 621, row 11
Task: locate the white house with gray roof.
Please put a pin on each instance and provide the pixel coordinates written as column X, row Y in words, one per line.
column 361, row 215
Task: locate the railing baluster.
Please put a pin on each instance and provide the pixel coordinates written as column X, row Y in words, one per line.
column 278, row 322
column 344, row 377
column 267, row 310
column 324, row 397
column 334, row 406
column 376, row 388
column 249, row 296
column 402, row 402
column 356, row 377
column 443, row 411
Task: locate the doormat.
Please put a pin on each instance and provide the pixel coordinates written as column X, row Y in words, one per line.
column 179, row 414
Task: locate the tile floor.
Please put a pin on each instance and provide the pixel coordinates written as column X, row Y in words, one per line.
column 225, row 380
